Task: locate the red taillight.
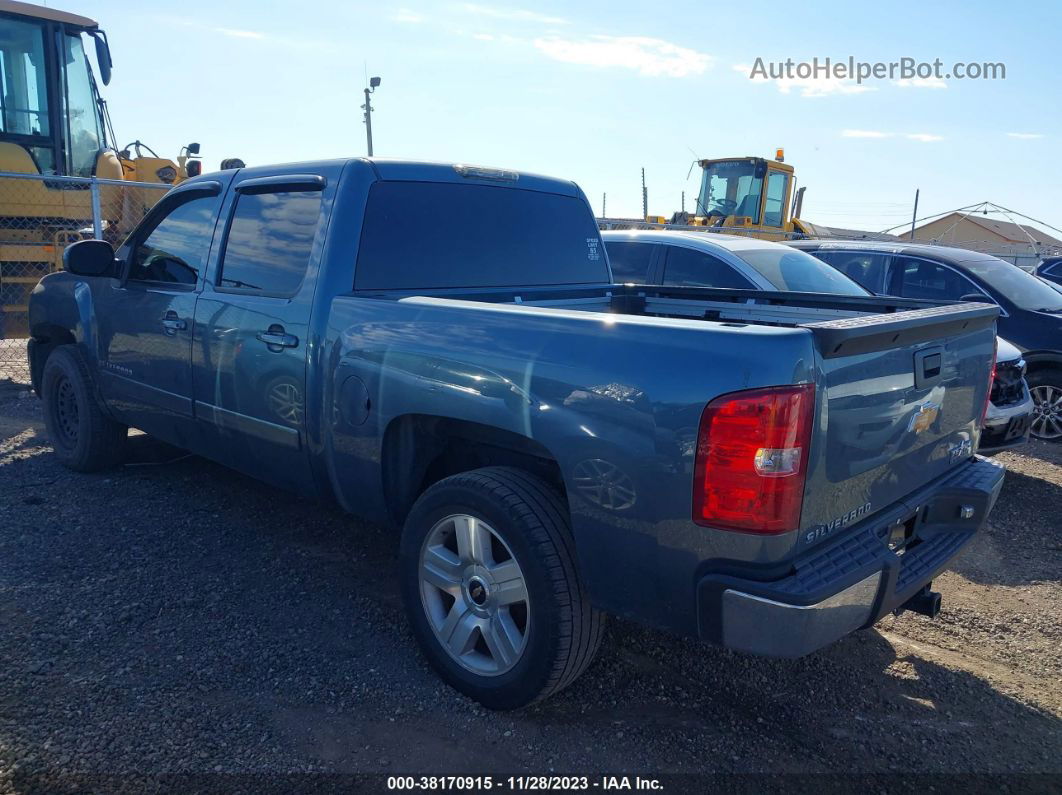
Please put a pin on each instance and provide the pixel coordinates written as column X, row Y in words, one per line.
column 752, row 454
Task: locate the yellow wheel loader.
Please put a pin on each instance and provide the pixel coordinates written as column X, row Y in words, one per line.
column 749, row 196
column 55, row 135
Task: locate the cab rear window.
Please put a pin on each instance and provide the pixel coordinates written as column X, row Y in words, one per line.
column 424, row 235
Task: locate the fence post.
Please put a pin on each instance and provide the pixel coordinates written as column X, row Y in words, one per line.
column 97, row 215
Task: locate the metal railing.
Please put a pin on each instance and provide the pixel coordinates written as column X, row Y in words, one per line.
column 40, row 216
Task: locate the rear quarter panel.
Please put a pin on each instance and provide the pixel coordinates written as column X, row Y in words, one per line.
column 626, row 391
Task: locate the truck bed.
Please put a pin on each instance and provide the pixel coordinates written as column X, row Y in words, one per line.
column 841, row 324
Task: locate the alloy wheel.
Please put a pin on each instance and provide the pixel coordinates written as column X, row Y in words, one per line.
column 474, row 595
column 1047, row 411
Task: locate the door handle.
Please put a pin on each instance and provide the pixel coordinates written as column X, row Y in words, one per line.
column 276, row 338
column 173, row 323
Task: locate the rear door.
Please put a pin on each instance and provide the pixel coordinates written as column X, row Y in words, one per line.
column 252, row 330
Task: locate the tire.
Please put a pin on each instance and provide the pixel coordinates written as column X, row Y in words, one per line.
column 503, row 652
column 1046, row 388
column 84, row 438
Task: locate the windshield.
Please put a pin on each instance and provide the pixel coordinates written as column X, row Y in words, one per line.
column 1020, row 288
column 789, row 269
column 731, row 188
column 24, row 99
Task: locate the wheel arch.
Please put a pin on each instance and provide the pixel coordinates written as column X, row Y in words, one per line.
column 419, row 450
column 1040, row 360
column 45, row 339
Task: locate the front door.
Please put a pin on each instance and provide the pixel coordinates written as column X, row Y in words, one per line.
column 252, row 329
column 774, row 205
column 145, row 321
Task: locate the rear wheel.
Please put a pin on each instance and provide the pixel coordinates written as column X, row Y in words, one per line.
column 1046, row 388
column 491, row 587
column 83, row 437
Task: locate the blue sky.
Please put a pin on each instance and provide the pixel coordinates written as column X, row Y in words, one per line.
column 594, row 91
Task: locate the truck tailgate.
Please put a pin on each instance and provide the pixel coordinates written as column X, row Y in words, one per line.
column 900, row 403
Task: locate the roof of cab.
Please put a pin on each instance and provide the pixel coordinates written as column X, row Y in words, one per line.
column 425, row 171
column 942, row 253
column 706, row 240
column 51, row 14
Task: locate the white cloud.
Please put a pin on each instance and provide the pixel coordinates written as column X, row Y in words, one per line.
column 647, row 56
column 1025, row 136
column 512, row 14
column 483, row 36
column 808, row 86
column 408, row 16
column 865, row 134
column 921, row 82
column 923, row 137
column 240, row 34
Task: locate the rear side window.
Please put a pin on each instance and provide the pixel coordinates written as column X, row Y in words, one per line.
column 629, row 261
column 930, row 280
column 269, row 241
column 697, row 269
column 174, row 251
column 865, row 267
column 421, row 235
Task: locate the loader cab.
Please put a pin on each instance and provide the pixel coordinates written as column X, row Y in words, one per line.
column 51, row 117
column 749, row 193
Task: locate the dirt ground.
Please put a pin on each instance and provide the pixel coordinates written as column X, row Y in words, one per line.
column 173, row 617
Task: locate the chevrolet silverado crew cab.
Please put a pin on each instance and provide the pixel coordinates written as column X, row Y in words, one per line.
column 442, row 348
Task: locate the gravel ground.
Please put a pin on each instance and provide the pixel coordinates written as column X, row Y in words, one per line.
column 175, row 617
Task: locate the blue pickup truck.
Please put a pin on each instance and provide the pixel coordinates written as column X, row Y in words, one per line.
column 443, row 349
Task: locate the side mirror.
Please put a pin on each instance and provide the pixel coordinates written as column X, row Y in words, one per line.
column 90, row 258
column 103, row 56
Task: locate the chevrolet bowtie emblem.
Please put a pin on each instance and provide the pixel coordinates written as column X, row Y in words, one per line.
column 924, row 417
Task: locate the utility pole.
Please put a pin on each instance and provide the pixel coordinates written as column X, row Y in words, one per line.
column 914, row 215
column 367, row 107
column 683, row 207
column 604, row 202
column 645, row 198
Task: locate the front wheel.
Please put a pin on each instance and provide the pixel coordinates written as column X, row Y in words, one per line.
column 1046, row 389
column 491, row 588
column 83, row 437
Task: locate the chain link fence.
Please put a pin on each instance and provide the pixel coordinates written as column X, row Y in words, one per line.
column 39, row 217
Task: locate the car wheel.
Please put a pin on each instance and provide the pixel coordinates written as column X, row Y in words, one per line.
column 1046, row 389
column 83, row 437
column 492, row 590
